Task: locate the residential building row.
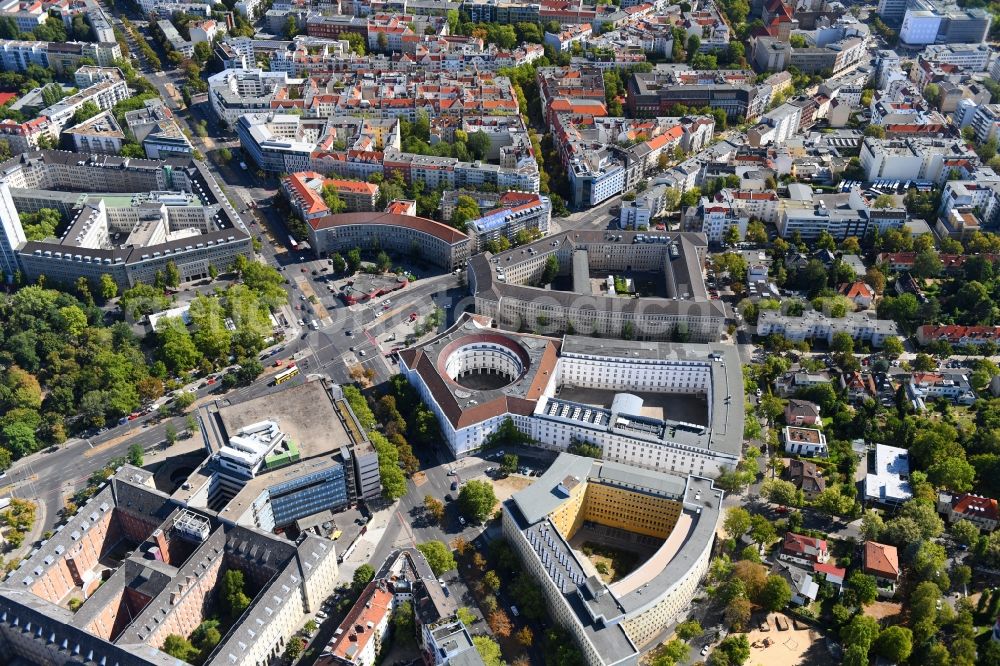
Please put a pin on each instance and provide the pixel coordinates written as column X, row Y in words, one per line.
column 16, row 55
column 356, row 148
column 813, row 325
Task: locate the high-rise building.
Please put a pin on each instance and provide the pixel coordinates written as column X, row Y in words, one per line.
column 892, row 11
column 11, row 233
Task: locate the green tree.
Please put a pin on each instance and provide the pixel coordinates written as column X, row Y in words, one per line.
column 734, row 649
column 296, row 644
column 551, row 269
column 179, row 648
column 86, row 111
column 466, row 210
column 861, row 630
column 509, row 463
column 109, row 288
column 466, row 616
column 171, row 274
column 689, row 629
column 895, row 644
column 354, row 260
column 404, row 623
column 756, row 233
column 362, row 576
column 489, row 650
column 479, row 145
column 476, row 500
column 864, row 587
column 232, row 594
column 954, row 473
column 673, row 652
column 332, row 199
column 177, row 349
column 736, row 522
column 892, row 347
column 338, row 263
column 438, row 556
column 776, row 593
column 731, row 236
column 965, row 532
column 780, row 491
column 135, row 455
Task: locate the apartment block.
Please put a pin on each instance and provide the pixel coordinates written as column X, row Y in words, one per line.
column 105, row 93
column 914, row 158
column 515, row 212
column 813, row 325
column 305, row 193
column 16, row 55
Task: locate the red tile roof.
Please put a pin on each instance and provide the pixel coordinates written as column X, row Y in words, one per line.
column 980, row 507
column 803, row 545
column 830, row 570
column 857, row 290
column 442, row 231
column 881, row 559
column 956, row 333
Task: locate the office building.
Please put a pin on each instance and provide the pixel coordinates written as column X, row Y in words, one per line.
column 236, row 92
column 368, row 630
column 915, row 158
column 504, row 288
column 612, row 623
column 100, row 134
column 63, row 57
column 937, row 21
column 892, row 11
column 804, row 441
column 610, row 393
column 156, row 130
column 280, row 458
column 11, row 234
column 305, row 194
column 149, row 213
column 649, row 96
column 108, row 88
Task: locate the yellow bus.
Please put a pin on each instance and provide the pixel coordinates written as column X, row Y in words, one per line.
column 285, row 375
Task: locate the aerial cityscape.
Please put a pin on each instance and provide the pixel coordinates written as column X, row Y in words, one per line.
column 499, row 332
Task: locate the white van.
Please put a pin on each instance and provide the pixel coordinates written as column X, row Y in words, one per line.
column 314, row 325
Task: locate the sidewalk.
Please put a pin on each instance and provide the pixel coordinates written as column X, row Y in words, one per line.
column 368, row 542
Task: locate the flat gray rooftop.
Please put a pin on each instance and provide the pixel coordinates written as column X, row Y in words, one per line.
column 306, row 413
column 724, row 433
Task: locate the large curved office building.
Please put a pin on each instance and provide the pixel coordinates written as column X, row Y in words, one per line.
column 669, row 520
column 644, row 286
column 657, row 405
column 402, row 234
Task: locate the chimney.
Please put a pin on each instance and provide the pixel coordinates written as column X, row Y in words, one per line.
column 163, row 545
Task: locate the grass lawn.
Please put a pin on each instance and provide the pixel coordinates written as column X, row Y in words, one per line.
column 611, row 563
column 965, row 417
